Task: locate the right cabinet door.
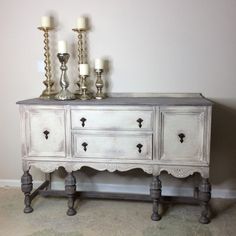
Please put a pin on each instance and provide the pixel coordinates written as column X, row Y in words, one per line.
column 184, row 135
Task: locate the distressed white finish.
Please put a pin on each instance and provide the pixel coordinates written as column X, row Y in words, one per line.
column 120, row 145
column 112, row 118
column 52, row 121
column 190, row 121
column 34, row 122
column 112, row 134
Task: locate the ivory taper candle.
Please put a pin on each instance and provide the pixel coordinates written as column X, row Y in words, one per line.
column 99, row 64
column 46, row 21
column 84, row 69
column 62, row 47
column 81, row 23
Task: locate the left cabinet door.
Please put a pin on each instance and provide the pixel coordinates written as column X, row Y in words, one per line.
column 46, row 132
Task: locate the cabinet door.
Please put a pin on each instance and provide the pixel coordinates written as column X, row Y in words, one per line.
column 46, row 132
column 183, row 135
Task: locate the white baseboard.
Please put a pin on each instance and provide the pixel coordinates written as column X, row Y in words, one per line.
column 120, row 188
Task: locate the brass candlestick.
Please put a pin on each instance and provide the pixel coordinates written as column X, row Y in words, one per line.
column 85, row 95
column 65, row 93
column 81, row 57
column 99, row 84
column 48, row 82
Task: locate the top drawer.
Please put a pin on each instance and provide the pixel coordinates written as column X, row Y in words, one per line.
column 126, row 118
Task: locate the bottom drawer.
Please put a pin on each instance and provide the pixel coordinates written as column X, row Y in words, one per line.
column 110, row 146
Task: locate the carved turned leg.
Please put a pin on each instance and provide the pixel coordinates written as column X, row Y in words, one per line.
column 204, row 197
column 155, row 191
column 26, row 187
column 70, row 188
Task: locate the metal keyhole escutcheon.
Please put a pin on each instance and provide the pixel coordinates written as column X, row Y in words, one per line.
column 181, row 137
column 84, row 144
column 139, row 120
column 83, row 121
column 46, row 133
column 139, row 146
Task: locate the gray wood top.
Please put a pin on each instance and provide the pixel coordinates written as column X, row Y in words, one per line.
column 144, row 101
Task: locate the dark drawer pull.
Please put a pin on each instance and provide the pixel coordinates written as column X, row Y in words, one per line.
column 46, row 133
column 83, row 121
column 181, row 137
column 139, row 146
column 140, row 120
column 85, row 146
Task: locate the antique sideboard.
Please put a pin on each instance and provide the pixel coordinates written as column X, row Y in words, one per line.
column 156, row 133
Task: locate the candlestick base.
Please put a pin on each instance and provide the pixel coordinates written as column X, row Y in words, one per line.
column 65, row 95
column 85, row 97
column 100, row 96
column 48, row 93
column 77, row 94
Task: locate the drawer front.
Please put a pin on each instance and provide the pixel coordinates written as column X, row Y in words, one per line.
column 112, row 119
column 46, row 132
column 108, row 146
column 182, row 134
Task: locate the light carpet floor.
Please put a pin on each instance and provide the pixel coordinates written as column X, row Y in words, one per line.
column 108, row 218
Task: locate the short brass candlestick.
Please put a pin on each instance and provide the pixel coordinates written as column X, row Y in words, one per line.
column 85, row 95
column 48, row 82
column 81, row 57
column 99, row 84
column 65, row 93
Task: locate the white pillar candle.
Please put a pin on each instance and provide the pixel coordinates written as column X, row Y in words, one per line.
column 99, row 64
column 81, row 23
column 83, row 69
column 45, row 21
column 62, row 47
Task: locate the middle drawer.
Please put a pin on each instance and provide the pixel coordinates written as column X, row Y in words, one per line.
column 122, row 145
column 112, row 119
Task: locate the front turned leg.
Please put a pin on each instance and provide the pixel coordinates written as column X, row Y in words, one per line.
column 204, row 197
column 70, row 188
column 155, row 192
column 26, row 187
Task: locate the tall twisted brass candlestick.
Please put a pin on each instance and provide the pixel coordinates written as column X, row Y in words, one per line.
column 65, row 93
column 99, row 84
column 81, row 57
column 48, row 82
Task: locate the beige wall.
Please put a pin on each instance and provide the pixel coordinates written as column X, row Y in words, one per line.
column 152, row 46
